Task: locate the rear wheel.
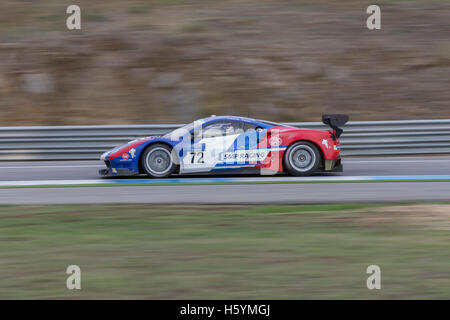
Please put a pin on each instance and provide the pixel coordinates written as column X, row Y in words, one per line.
column 157, row 161
column 302, row 159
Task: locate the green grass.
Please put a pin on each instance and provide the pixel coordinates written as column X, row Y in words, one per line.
column 221, row 252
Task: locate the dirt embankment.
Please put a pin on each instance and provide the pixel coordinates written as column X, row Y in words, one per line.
column 279, row 60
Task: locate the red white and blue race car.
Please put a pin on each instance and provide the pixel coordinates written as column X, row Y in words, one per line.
column 231, row 144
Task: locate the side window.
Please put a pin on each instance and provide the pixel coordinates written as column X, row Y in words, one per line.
column 221, row 128
column 250, row 127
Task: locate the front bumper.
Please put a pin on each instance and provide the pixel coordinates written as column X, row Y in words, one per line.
column 115, row 172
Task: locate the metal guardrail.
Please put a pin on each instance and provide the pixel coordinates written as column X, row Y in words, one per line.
column 88, row 142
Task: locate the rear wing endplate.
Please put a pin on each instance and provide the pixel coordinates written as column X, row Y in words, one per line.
column 335, row 122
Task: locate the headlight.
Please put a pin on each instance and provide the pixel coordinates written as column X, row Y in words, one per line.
column 105, row 155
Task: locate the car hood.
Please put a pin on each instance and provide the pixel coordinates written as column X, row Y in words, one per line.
column 125, row 147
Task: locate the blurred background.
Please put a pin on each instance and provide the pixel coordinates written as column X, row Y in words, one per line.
column 172, row 61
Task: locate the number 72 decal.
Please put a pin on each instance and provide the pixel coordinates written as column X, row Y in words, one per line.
column 197, row 157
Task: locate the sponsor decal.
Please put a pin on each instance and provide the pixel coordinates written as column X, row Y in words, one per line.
column 275, row 141
column 132, row 153
column 337, row 147
column 244, row 155
column 125, row 156
column 325, row 143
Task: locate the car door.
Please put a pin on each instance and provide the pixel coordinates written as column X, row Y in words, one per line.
column 209, row 144
column 246, row 151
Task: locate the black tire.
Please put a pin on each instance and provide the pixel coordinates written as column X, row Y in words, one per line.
column 157, row 161
column 302, row 158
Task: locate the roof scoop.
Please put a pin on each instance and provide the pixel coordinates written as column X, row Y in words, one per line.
column 335, row 122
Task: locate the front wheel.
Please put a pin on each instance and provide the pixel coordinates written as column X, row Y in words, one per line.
column 157, row 161
column 302, row 159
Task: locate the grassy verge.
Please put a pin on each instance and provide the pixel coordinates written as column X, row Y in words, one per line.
column 175, row 252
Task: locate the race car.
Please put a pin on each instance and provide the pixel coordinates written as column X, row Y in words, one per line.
column 230, row 144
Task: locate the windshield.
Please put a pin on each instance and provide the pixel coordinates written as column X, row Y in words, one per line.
column 180, row 132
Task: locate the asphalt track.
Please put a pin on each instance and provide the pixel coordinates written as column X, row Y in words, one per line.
column 67, row 170
column 274, row 192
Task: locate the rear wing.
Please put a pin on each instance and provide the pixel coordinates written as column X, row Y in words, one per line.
column 335, row 122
